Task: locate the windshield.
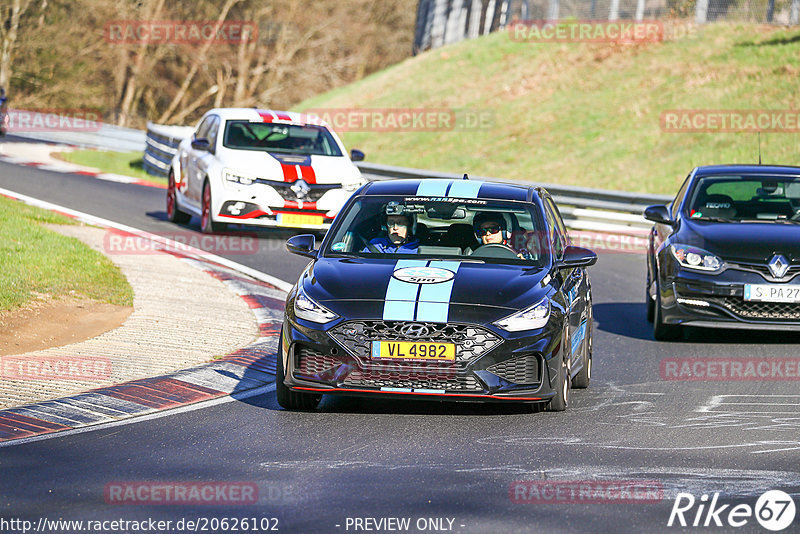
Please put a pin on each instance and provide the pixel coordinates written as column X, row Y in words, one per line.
column 467, row 229
column 746, row 198
column 282, row 138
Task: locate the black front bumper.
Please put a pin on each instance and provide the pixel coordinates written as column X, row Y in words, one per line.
column 490, row 365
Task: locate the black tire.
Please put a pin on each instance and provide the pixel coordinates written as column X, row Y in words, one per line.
column 563, row 383
column 207, row 224
column 174, row 214
column 661, row 330
column 651, row 305
column 584, row 376
column 288, row 399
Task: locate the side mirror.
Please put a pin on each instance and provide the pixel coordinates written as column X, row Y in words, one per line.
column 577, row 257
column 357, row 155
column 201, row 143
column 659, row 214
column 302, row 245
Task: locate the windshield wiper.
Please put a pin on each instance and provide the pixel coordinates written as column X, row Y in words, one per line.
column 714, row 219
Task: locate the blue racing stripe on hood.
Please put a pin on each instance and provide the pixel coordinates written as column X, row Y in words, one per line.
column 401, row 297
column 434, row 299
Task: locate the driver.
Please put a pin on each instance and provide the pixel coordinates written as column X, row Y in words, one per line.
column 399, row 228
column 491, row 228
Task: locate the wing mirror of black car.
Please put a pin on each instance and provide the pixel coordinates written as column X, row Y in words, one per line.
column 302, row 245
column 201, row 143
column 577, row 257
column 357, row 155
column 658, row 214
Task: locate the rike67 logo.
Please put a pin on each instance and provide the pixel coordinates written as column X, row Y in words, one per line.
column 774, row 510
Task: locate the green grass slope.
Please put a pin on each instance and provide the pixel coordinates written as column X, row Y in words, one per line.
column 584, row 113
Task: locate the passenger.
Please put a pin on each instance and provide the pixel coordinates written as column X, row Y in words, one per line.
column 400, row 228
column 491, row 228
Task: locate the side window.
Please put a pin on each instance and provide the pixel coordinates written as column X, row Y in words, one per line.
column 213, row 129
column 558, row 231
column 552, row 231
column 202, row 128
column 679, row 198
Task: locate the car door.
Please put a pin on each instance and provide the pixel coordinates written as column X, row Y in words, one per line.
column 572, row 279
column 195, row 174
column 205, row 158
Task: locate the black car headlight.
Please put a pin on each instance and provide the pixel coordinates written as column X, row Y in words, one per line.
column 307, row 308
column 696, row 258
column 530, row 318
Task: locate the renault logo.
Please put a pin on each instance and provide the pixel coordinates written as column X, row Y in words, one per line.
column 414, row 330
column 778, row 266
column 300, row 189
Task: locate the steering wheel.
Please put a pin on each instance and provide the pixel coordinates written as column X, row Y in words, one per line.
column 495, row 250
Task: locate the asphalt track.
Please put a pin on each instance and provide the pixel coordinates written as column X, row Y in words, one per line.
column 354, row 458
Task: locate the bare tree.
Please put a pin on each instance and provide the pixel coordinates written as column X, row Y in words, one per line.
column 10, row 26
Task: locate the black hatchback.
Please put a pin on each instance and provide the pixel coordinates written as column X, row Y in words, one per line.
column 440, row 289
column 726, row 252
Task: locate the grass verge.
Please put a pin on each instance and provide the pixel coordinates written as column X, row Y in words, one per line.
column 125, row 163
column 34, row 259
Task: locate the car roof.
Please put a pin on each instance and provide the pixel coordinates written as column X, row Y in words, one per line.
column 268, row 115
column 711, row 170
column 437, row 187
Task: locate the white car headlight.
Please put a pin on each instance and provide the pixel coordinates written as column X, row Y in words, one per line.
column 530, row 318
column 237, row 178
column 696, row 258
column 307, row 308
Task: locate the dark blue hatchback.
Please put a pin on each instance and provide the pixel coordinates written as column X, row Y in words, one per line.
column 444, row 290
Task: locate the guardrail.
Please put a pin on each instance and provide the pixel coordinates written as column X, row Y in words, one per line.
column 161, row 144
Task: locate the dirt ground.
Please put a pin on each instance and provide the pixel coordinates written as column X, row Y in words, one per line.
column 44, row 323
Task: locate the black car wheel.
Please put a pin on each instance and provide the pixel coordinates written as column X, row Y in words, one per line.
column 661, row 330
column 174, row 214
column 207, row 224
column 560, row 402
column 288, row 399
column 584, row 376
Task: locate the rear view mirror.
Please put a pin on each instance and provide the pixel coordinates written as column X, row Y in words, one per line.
column 577, row 257
column 357, row 155
column 302, row 245
column 658, row 214
column 201, row 143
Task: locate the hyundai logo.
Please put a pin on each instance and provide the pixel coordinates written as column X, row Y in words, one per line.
column 414, row 330
column 778, row 266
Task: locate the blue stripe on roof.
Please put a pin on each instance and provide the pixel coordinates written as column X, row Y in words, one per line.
column 464, row 189
column 433, row 188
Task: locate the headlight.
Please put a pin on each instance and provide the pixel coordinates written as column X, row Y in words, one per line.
column 535, row 316
column 696, row 258
column 236, row 178
column 306, row 308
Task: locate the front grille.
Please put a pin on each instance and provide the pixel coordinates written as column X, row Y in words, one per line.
column 471, row 341
column 312, row 362
column 764, row 271
column 521, row 370
column 314, row 194
column 759, row 310
column 414, row 380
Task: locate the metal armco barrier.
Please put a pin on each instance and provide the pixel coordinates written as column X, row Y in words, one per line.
column 162, row 143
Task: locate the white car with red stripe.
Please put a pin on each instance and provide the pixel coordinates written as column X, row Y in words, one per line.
column 262, row 168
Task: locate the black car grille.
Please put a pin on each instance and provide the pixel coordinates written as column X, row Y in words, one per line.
column 312, row 362
column 521, row 370
column 471, row 341
column 764, row 271
column 404, row 378
column 759, row 310
column 315, row 192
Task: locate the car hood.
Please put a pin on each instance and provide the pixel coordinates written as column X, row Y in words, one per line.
column 479, row 292
column 747, row 242
column 284, row 167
